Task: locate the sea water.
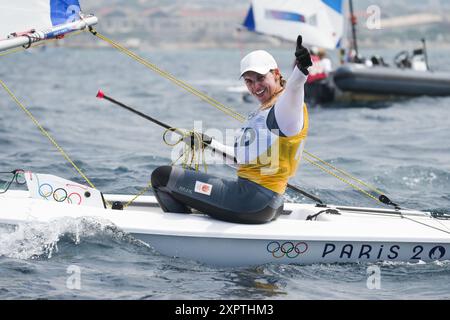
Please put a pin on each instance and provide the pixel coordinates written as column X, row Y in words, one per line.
column 401, row 147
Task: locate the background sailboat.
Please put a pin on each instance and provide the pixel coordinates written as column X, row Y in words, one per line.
column 320, row 22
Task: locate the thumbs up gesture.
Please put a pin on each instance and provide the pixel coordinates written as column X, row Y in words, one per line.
column 302, row 57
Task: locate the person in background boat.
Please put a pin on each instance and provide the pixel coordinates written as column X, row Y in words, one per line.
column 353, row 57
column 318, row 87
column 321, row 67
column 378, row 61
column 268, row 149
column 325, row 61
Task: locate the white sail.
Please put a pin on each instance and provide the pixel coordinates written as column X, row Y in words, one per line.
column 23, row 22
column 320, row 22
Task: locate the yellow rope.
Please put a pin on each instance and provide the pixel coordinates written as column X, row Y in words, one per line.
column 149, row 185
column 234, row 114
column 35, row 121
column 344, row 173
column 190, row 148
column 45, row 132
column 342, row 179
column 180, row 83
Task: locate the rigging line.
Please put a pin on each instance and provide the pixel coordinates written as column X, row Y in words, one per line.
column 342, row 179
column 190, row 148
column 8, row 183
column 218, row 105
column 185, row 160
column 180, row 83
column 426, row 225
column 344, row 173
column 441, row 223
column 144, row 190
column 45, row 132
column 403, row 215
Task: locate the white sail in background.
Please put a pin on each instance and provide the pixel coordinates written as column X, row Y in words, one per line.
column 320, row 22
column 23, row 22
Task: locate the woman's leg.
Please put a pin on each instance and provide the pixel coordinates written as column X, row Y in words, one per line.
column 160, row 179
column 240, row 201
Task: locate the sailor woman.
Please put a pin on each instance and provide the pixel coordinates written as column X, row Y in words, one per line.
column 268, row 149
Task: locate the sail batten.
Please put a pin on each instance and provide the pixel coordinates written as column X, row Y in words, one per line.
column 23, row 22
column 320, row 22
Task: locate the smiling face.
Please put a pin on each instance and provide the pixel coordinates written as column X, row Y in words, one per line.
column 263, row 87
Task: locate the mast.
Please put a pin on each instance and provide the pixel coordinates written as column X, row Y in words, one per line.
column 353, row 23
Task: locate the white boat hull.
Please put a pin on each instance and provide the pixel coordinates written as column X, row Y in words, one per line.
column 238, row 252
column 355, row 235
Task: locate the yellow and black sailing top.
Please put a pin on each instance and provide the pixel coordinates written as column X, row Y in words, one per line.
column 265, row 154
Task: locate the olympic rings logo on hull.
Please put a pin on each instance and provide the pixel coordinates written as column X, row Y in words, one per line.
column 287, row 249
column 59, row 195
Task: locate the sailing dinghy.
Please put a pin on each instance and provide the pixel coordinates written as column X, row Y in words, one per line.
column 303, row 234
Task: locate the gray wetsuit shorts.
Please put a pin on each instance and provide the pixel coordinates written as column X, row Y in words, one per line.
column 240, row 201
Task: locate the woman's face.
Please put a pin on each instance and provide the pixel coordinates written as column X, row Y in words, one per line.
column 263, row 87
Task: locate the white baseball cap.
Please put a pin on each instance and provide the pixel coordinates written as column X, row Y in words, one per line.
column 259, row 61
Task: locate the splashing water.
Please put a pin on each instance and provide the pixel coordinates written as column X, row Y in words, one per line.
column 40, row 240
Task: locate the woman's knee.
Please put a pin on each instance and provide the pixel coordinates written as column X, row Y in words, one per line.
column 160, row 176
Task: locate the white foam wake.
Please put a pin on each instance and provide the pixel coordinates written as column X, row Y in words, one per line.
column 34, row 240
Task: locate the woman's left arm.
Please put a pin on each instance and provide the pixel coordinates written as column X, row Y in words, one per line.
column 289, row 106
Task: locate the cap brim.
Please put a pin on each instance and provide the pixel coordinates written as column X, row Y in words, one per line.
column 261, row 70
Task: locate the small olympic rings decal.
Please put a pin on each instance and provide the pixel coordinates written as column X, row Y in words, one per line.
column 71, row 196
column 288, row 249
column 45, row 190
column 60, row 195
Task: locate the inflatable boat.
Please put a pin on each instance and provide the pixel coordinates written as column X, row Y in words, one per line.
column 388, row 81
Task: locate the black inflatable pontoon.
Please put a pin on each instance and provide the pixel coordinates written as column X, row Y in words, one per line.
column 358, row 78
